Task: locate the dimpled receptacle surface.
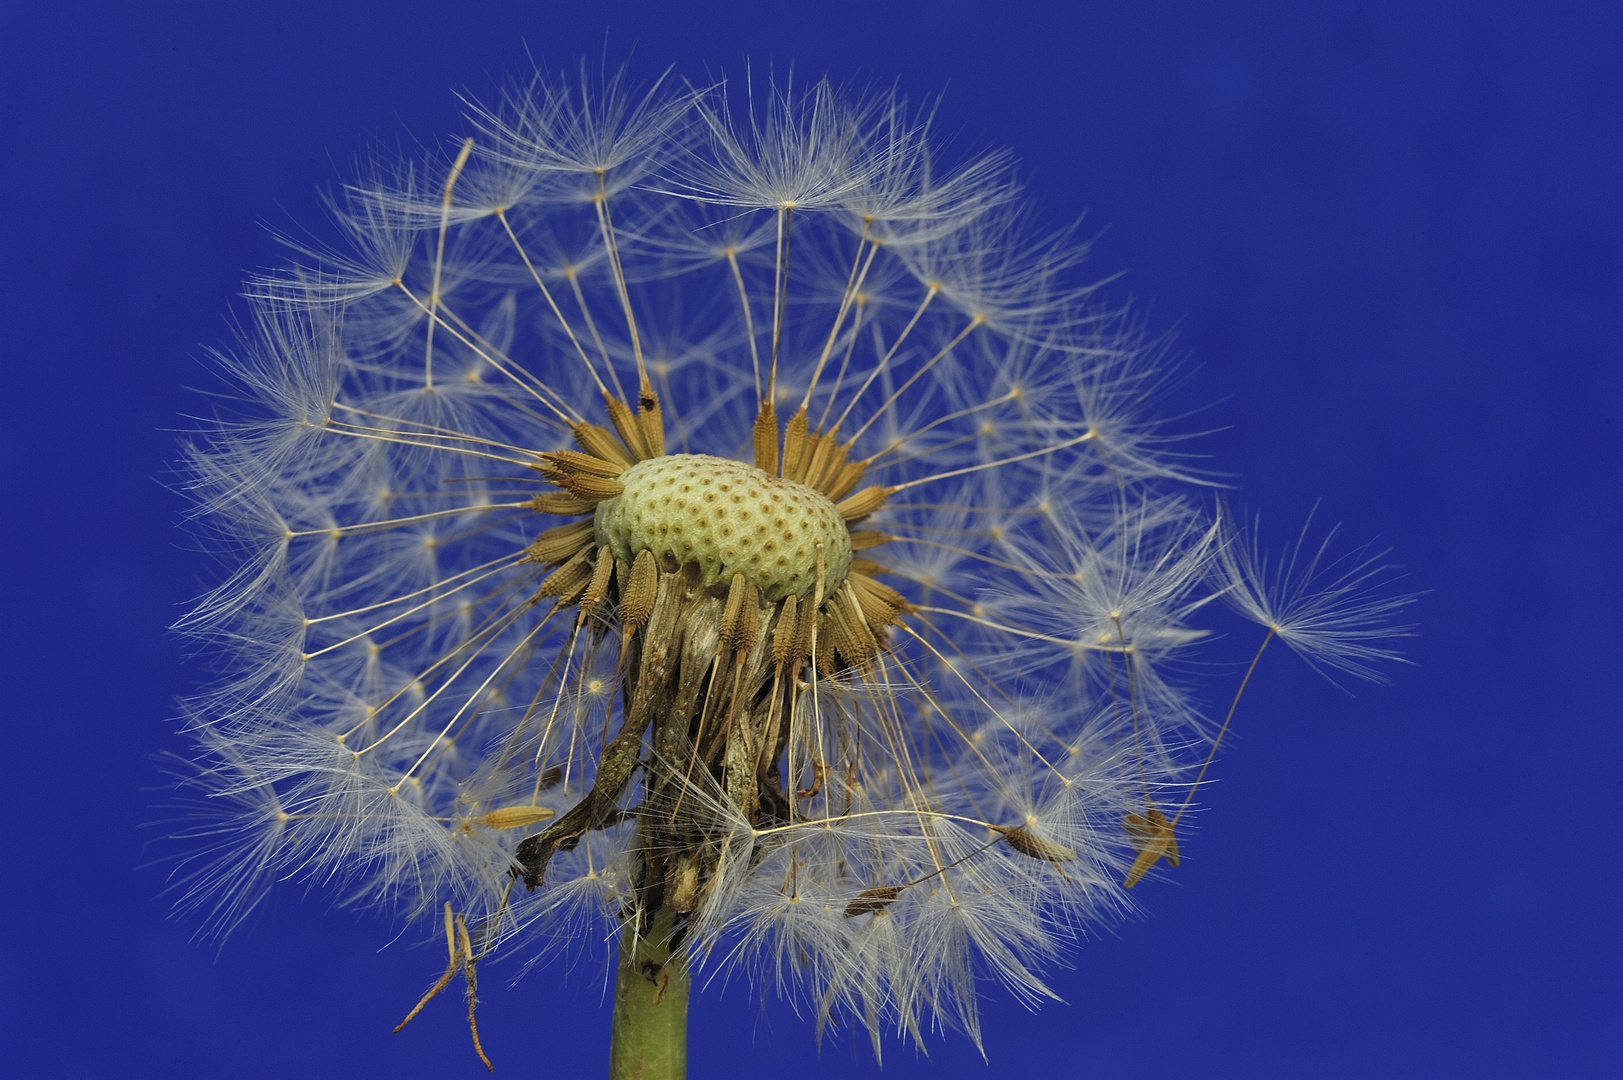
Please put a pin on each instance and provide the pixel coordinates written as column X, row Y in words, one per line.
column 729, row 518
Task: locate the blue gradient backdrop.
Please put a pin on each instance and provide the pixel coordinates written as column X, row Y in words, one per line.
column 1389, row 237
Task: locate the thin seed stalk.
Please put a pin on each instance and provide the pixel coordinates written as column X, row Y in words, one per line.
column 649, row 1040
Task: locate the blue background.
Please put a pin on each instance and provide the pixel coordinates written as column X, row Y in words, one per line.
column 1389, row 237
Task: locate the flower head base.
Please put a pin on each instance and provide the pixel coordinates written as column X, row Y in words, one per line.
column 739, row 520
column 729, row 518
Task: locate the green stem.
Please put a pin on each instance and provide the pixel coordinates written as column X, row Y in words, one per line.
column 650, row 1036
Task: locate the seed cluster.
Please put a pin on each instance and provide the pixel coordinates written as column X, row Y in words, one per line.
column 728, row 518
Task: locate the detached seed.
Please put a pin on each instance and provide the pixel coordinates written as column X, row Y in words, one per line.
column 873, row 900
column 515, row 817
column 1035, row 847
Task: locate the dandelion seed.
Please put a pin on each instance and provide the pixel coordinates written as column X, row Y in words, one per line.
column 767, row 501
column 876, row 899
column 515, row 817
column 1035, row 847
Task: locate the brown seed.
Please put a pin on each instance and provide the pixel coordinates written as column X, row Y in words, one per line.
column 560, row 542
column 515, row 817
column 729, row 614
column 600, row 442
column 602, row 571
column 575, row 462
column 848, row 630
column 1035, row 847
column 847, row 478
column 637, row 600
column 783, row 635
column 650, row 423
column 858, row 506
column 595, row 488
column 766, row 439
column 625, row 423
column 748, row 629
column 828, row 464
column 569, row 580
column 794, row 444
column 740, row 618
column 813, row 458
column 862, row 539
column 835, row 632
column 554, row 472
column 872, row 900
column 562, row 503
column 879, row 602
column 824, row 651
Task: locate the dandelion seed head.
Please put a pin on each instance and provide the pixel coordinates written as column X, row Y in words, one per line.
column 707, row 501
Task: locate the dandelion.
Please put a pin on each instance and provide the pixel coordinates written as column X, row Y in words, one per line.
column 707, row 521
